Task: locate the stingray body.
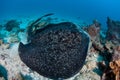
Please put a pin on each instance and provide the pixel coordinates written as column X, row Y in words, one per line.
column 56, row 51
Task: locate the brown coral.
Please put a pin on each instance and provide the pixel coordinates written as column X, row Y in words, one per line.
column 93, row 30
column 115, row 63
column 112, row 72
column 115, row 66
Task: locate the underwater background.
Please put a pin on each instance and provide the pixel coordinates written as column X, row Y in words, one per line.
column 86, row 10
column 88, row 30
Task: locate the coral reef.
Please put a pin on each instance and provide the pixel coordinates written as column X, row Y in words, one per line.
column 56, row 51
column 116, row 55
column 11, row 24
column 115, row 66
column 93, row 30
column 107, row 47
column 111, row 70
column 11, row 32
column 113, row 32
column 115, row 63
column 36, row 41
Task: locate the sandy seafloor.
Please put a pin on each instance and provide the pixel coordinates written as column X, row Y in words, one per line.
column 17, row 70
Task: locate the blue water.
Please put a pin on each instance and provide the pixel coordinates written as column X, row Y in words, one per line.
column 86, row 10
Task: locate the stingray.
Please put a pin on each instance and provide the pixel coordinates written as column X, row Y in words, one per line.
column 57, row 51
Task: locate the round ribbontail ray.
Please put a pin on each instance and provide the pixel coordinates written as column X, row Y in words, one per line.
column 57, row 51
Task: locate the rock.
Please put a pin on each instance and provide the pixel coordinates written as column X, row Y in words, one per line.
column 13, row 38
column 5, row 46
column 56, row 51
column 109, row 46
